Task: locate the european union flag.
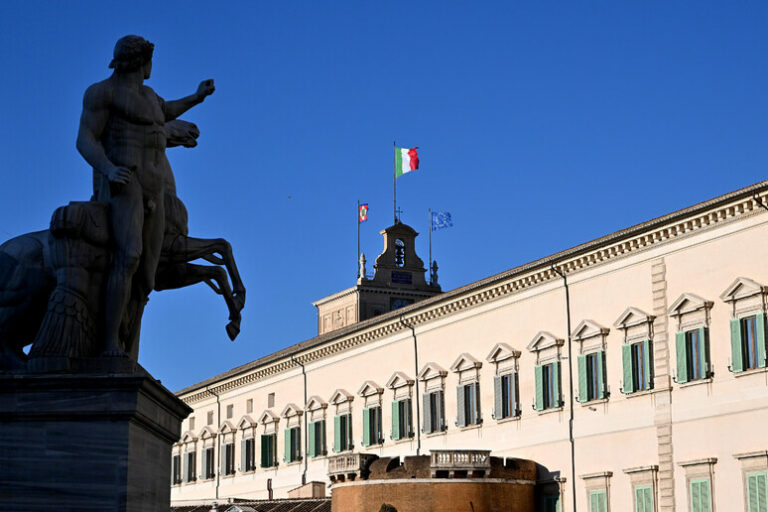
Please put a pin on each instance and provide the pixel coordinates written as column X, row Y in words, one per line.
column 441, row 220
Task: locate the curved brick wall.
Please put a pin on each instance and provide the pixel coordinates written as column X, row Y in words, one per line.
column 438, row 495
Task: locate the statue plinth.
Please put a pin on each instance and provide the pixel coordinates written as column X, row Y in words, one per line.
column 99, row 441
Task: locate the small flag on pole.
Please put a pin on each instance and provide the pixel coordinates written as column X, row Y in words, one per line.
column 406, row 160
column 441, row 220
column 362, row 212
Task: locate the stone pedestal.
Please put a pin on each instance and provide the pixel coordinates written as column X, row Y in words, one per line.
column 87, row 442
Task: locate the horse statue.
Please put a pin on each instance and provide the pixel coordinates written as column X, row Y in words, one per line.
column 51, row 280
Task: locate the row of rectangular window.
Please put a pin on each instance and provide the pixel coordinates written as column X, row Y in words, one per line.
column 699, row 496
column 748, row 351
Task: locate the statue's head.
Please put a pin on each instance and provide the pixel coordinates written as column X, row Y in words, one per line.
column 132, row 53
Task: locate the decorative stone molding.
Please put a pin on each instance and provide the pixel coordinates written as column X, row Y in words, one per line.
column 546, row 346
column 292, row 414
column 247, row 426
column 207, row 436
column 342, row 400
column 371, row 393
column 467, row 368
column 636, row 324
column 745, row 297
column 433, row 376
column 227, row 432
column 401, row 385
column 270, row 421
column 690, row 311
column 644, row 476
column 689, row 221
column 590, row 336
column 316, row 407
column 504, row 358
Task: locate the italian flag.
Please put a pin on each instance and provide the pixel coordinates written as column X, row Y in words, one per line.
column 406, row 160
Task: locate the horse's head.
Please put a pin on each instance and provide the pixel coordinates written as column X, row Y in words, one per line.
column 181, row 133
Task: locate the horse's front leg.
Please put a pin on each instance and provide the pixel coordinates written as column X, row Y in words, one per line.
column 182, row 275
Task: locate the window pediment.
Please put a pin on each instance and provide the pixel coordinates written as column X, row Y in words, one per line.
column 268, row 417
column 589, row 329
column 632, row 317
column 245, row 422
column 501, row 352
column 465, row 362
column 189, row 437
column 291, row 410
column 315, row 403
column 207, row 433
column 743, row 288
column 369, row 388
column 432, row 371
column 688, row 303
column 341, row 396
column 398, row 380
column 544, row 340
column 226, row 428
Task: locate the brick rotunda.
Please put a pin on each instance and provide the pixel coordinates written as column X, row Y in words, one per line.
column 445, row 480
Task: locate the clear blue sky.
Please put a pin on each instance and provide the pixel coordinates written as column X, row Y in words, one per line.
column 541, row 125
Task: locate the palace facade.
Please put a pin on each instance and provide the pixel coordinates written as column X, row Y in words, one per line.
column 631, row 369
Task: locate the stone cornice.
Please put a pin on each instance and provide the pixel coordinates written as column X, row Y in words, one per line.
column 701, row 217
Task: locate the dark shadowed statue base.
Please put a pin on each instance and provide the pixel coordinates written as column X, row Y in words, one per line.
column 86, row 442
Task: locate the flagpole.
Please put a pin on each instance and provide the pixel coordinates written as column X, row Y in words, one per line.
column 429, row 224
column 357, row 258
column 394, row 180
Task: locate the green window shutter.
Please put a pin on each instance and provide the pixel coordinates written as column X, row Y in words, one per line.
column 498, row 408
column 539, row 377
column 476, row 390
column 265, row 451
column 682, row 364
column 647, row 364
column 350, row 444
column 427, row 409
column 396, row 420
column 737, row 361
column 700, row 496
column 597, row 501
column 337, row 434
column 626, row 361
column 287, row 447
column 366, row 427
column 601, row 374
column 757, row 492
column 440, row 410
column 408, row 418
column 311, row 441
column 513, row 394
column 704, row 350
column 461, row 419
column 323, row 449
column 242, row 455
column 556, row 384
column 643, row 499
column 760, row 318
column 583, row 383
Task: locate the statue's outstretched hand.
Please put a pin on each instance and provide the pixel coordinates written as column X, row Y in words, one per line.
column 205, row 88
column 118, row 174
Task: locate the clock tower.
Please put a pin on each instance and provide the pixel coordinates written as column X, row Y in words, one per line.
column 398, row 280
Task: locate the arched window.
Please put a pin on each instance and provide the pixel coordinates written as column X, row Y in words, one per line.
column 399, row 253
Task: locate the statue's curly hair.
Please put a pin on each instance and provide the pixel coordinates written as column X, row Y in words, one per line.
column 131, row 53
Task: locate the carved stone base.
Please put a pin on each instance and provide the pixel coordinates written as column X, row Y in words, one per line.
column 86, row 442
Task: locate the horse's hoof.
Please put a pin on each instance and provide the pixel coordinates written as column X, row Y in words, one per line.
column 233, row 330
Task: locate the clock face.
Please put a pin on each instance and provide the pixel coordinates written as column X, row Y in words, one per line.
column 400, row 303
